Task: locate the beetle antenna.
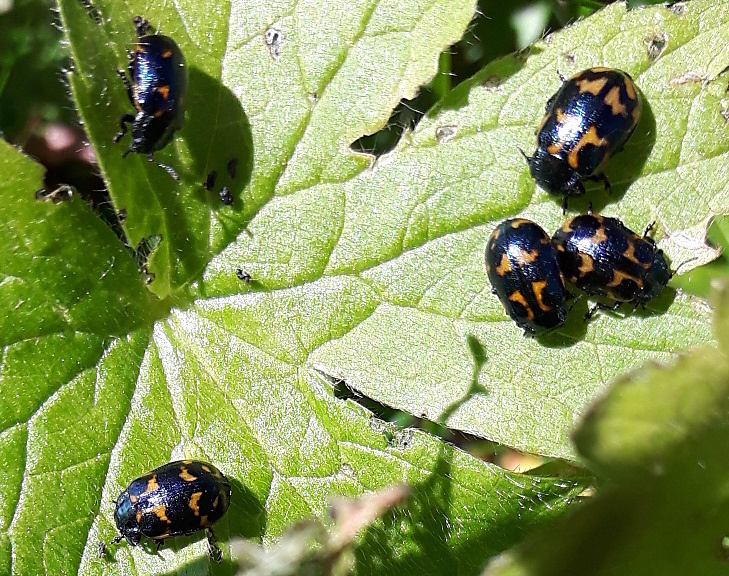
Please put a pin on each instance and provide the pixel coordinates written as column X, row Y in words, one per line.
column 675, row 272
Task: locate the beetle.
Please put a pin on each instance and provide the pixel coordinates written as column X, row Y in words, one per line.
column 522, row 266
column 179, row 498
column 603, row 257
column 587, row 121
column 157, row 88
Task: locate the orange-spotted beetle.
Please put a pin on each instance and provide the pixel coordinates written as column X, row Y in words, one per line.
column 586, row 122
column 602, row 257
column 522, row 266
column 176, row 499
column 157, row 88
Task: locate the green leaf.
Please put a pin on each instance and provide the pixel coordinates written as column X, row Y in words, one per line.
column 660, row 437
column 415, row 226
column 366, row 270
column 102, row 380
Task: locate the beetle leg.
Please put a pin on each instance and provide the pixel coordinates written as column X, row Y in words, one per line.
column 159, row 544
column 576, row 300
column 524, row 154
column 600, row 306
column 216, row 554
column 602, row 178
column 591, row 312
column 126, row 119
column 648, row 228
column 171, row 171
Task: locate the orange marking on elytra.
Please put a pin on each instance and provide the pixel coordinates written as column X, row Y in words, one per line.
column 538, row 288
column 504, row 266
column 523, row 258
column 619, row 276
column 164, row 91
column 167, row 53
column 629, row 254
column 206, row 468
column 151, row 485
column 215, row 502
column 599, row 236
column 161, row 513
column 629, row 89
column 555, row 148
column 636, row 114
column 561, row 116
column 186, row 476
column 587, row 266
column 194, row 506
column 589, row 138
column 591, row 86
column 613, row 100
column 519, row 298
column 204, row 522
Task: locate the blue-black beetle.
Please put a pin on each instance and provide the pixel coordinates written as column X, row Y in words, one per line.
column 587, row 121
column 522, row 266
column 157, row 88
column 176, row 499
column 602, row 257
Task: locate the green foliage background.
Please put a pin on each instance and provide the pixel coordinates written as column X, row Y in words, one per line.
column 366, row 271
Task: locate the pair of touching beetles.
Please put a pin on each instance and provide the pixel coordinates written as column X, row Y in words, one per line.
column 587, row 121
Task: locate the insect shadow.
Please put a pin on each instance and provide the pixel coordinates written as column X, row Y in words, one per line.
column 217, row 131
column 623, row 168
column 574, row 328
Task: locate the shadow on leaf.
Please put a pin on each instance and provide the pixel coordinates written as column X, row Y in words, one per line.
column 217, row 131
column 478, row 352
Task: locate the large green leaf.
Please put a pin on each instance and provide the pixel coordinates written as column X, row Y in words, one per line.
column 367, row 271
column 101, row 381
column 661, row 436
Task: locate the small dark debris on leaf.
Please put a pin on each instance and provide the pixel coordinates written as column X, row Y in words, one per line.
column 101, row 550
column 147, row 276
column 226, row 196
column 243, row 276
column 655, row 45
column 209, row 183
